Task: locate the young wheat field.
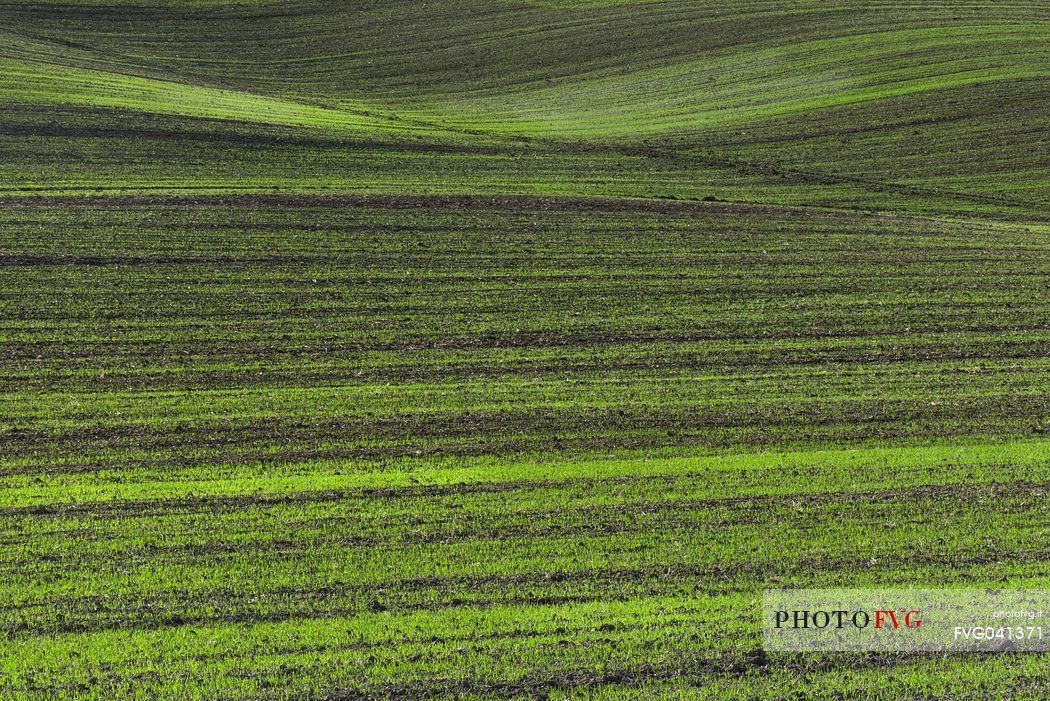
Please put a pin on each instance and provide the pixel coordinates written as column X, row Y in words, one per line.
column 508, row 349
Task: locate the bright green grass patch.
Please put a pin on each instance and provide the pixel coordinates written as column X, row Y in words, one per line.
column 840, row 470
column 35, row 83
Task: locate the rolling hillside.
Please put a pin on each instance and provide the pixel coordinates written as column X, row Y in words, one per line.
column 402, row 349
column 936, row 106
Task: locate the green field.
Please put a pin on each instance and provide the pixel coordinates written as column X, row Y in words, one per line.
column 507, row 349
